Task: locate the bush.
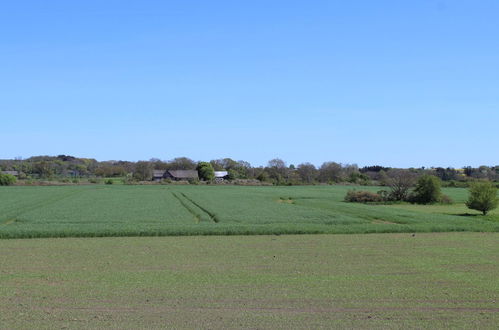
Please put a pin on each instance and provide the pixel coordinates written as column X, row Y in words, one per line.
column 444, row 199
column 128, row 179
column 361, row 196
column 108, row 181
column 483, row 197
column 193, row 181
column 455, row 184
column 7, row 179
column 427, row 190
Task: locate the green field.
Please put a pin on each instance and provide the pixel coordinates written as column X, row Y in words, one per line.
column 398, row 281
column 157, row 210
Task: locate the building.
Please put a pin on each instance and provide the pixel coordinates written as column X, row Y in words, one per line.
column 221, row 175
column 158, row 175
column 14, row 173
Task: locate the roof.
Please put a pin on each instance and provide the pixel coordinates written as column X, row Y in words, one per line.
column 158, row 173
column 15, row 173
column 184, row 174
column 221, row 174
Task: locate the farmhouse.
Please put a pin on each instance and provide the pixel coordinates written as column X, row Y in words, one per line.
column 178, row 175
column 14, row 173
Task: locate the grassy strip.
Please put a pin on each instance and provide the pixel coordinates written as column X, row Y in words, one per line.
column 229, row 230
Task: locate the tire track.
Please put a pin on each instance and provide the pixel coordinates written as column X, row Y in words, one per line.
column 189, row 209
column 212, row 215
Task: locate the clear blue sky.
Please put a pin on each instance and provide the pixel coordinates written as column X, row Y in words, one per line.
column 396, row 83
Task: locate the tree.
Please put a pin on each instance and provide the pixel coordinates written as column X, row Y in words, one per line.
column 236, row 169
column 206, row 171
column 483, row 197
column 44, row 168
column 277, row 170
column 182, row 163
column 330, row 172
column 307, row 172
column 427, row 190
column 143, row 171
column 400, row 182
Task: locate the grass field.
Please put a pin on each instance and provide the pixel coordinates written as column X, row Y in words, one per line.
column 104, row 210
column 437, row 280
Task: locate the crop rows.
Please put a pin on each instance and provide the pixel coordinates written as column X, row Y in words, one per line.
column 215, row 210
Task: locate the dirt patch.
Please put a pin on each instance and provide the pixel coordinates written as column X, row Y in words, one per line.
column 383, row 222
column 286, row 200
column 9, row 221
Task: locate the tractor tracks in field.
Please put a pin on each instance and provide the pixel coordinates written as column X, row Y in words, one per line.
column 12, row 216
column 198, row 211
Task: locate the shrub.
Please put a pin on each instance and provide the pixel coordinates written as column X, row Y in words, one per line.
column 444, row 199
column 128, row 179
column 427, row 190
column 93, row 180
column 76, row 181
column 193, row 181
column 455, row 184
column 361, row 196
column 108, row 181
column 7, row 179
column 483, row 197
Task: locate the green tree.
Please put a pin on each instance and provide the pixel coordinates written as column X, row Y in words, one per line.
column 483, row 197
column 206, row 171
column 428, row 190
column 7, row 179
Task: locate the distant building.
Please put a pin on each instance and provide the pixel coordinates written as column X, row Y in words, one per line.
column 14, row 173
column 221, row 175
column 158, row 175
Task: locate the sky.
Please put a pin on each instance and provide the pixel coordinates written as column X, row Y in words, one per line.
column 393, row 83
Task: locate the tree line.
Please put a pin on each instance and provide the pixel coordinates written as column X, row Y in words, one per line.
column 276, row 172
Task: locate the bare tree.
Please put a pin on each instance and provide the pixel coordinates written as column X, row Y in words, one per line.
column 330, row 172
column 277, row 169
column 400, row 182
column 182, row 163
column 307, row 172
